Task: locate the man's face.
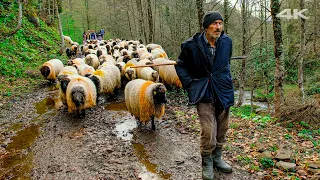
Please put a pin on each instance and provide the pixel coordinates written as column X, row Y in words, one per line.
column 214, row 29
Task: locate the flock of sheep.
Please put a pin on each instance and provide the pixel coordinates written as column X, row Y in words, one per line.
column 109, row 64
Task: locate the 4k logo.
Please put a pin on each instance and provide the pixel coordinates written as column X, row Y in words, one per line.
column 286, row 13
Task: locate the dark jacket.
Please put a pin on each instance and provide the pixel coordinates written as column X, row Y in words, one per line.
column 199, row 71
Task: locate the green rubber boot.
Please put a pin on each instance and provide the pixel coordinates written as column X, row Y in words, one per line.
column 218, row 162
column 207, row 167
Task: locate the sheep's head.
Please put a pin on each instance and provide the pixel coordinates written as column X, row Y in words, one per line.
column 130, row 74
column 64, row 81
column 159, row 94
column 119, row 66
column 99, row 53
column 78, row 96
column 45, row 71
column 135, row 55
column 126, row 47
column 149, row 49
column 155, row 76
column 126, row 58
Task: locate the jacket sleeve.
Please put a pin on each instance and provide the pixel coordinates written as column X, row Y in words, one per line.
column 182, row 68
column 230, row 54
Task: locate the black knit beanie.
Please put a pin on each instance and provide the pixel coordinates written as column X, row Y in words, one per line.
column 210, row 17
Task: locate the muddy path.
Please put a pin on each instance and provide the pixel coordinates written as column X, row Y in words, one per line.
column 39, row 141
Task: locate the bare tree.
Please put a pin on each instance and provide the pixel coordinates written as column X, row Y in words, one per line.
column 141, row 29
column 226, row 16
column 150, row 20
column 60, row 29
column 244, row 52
column 278, row 52
column 19, row 19
column 200, row 13
column 86, row 4
column 301, row 60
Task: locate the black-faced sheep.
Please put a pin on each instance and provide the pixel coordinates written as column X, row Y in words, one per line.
column 106, row 79
column 145, row 100
column 81, row 94
column 51, row 69
column 149, row 74
column 65, row 75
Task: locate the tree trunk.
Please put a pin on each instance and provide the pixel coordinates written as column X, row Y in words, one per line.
column 87, row 13
column 150, row 20
column 139, row 8
column 316, row 24
column 60, row 29
column 302, row 48
column 131, row 36
column 200, row 14
column 279, row 58
column 226, row 16
column 49, row 12
column 244, row 52
column 19, row 20
column 189, row 20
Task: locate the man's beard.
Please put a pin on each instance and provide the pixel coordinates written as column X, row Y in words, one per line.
column 213, row 36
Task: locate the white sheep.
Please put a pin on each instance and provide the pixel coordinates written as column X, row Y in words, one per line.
column 149, row 74
column 169, row 75
column 107, row 79
column 81, row 94
column 105, row 58
column 85, row 69
column 92, row 60
column 51, row 69
column 145, row 100
column 64, row 77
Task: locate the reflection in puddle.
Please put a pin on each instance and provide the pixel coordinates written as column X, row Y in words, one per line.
column 124, row 128
column 116, row 106
column 143, row 158
column 45, row 105
column 17, row 161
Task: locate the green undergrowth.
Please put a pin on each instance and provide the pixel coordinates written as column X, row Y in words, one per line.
column 23, row 53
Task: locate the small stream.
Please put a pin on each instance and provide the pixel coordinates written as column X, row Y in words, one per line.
column 247, row 100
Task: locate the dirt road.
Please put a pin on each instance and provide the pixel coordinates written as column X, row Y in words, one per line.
column 39, row 141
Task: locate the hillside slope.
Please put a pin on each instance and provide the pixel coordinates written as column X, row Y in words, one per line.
column 23, row 53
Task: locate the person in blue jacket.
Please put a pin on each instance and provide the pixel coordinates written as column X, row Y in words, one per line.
column 203, row 67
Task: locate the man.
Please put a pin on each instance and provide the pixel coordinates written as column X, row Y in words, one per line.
column 93, row 35
column 204, row 70
column 102, row 32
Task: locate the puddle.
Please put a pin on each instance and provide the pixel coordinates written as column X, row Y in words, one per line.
column 15, row 127
column 125, row 128
column 116, row 106
column 151, row 168
column 16, row 162
column 46, row 104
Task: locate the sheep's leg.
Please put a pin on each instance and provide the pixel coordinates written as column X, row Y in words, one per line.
column 153, row 127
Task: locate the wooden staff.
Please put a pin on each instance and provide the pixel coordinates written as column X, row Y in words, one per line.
column 165, row 64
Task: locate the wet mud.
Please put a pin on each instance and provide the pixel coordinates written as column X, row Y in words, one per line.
column 41, row 140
